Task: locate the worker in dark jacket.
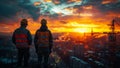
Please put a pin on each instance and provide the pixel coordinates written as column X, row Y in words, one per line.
column 22, row 39
column 43, row 43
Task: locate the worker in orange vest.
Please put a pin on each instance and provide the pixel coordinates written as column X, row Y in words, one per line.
column 22, row 39
column 43, row 43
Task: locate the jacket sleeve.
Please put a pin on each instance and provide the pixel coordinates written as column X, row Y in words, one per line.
column 50, row 40
column 35, row 41
column 13, row 37
column 29, row 38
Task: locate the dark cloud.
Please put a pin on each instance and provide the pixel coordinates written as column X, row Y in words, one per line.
column 32, row 10
column 8, row 9
column 110, row 7
column 100, row 9
column 91, row 2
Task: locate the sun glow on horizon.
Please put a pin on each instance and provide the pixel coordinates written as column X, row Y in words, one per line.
column 58, row 28
column 82, row 30
column 63, row 24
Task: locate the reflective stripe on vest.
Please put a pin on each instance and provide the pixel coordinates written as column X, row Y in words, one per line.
column 43, row 39
column 21, row 40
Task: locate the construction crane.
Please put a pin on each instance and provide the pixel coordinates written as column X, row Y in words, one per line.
column 112, row 43
column 112, row 33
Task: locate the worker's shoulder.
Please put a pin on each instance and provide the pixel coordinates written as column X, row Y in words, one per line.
column 27, row 30
column 49, row 31
column 39, row 30
column 21, row 29
column 17, row 29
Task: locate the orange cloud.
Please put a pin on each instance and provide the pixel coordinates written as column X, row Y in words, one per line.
column 73, row 23
column 109, row 1
column 48, row 0
column 69, row 1
column 36, row 3
column 56, row 1
column 69, row 23
column 88, row 7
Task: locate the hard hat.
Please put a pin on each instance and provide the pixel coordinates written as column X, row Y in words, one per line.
column 43, row 21
column 24, row 22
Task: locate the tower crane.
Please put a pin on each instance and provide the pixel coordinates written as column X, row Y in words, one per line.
column 112, row 33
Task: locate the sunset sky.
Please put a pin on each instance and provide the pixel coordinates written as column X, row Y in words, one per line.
column 62, row 15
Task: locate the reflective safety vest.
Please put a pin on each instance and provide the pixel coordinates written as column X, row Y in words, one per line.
column 21, row 40
column 43, row 39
